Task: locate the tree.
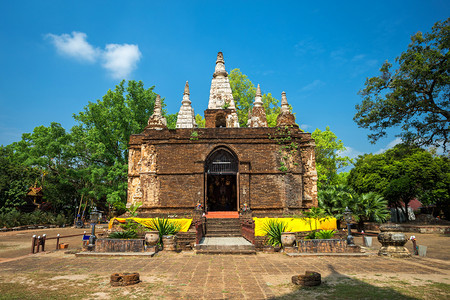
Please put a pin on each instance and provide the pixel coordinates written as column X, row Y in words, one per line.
column 15, row 179
column 48, row 150
column 244, row 94
column 365, row 207
column 200, row 121
column 416, row 96
column 328, row 158
column 370, row 207
column 102, row 137
column 403, row 173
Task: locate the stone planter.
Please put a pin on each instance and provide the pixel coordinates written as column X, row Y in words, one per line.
column 169, row 242
column 151, row 238
column 287, row 239
column 326, row 246
column 392, row 241
column 119, row 245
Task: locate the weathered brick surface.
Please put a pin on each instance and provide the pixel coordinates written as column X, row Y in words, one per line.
column 326, row 246
column 169, row 167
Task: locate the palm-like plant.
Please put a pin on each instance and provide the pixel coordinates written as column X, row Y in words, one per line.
column 370, row 207
column 273, row 229
column 165, row 226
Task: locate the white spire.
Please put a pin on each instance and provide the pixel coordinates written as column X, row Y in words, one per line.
column 220, row 92
column 258, row 99
column 186, row 115
column 284, row 103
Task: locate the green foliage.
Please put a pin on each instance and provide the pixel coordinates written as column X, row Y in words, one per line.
column 324, row 234
column 194, row 136
column 172, row 120
column 370, row 207
column 244, row 94
column 415, row 96
column 402, row 173
column 288, row 147
column 165, row 226
column 334, row 199
column 123, row 235
column 14, row 218
column 15, row 179
column 102, row 138
column 272, row 229
column 311, row 235
column 200, row 121
column 328, row 158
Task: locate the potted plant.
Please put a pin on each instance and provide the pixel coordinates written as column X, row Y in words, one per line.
column 273, row 228
column 166, row 229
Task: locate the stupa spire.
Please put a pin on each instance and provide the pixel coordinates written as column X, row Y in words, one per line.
column 258, row 116
column 284, row 103
column 156, row 120
column 258, row 99
column 285, row 118
column 186, row 115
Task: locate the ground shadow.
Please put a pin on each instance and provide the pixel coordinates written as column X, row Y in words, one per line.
column 339, row 286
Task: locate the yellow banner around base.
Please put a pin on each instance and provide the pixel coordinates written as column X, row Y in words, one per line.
column 297, row 224
column 185, row 223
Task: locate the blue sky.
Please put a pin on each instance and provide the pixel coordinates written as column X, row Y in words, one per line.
column 55, row 56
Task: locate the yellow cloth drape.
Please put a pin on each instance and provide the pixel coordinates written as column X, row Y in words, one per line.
column 297, row 224
column 185, row 223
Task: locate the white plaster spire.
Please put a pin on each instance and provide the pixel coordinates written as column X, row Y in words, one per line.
column 258, row 99
column 186, row 115
column 284, row 103
column 220, row 92
column 258, row 116
column 157, row 108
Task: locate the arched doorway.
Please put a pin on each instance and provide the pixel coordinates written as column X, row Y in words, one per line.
column 221, row 169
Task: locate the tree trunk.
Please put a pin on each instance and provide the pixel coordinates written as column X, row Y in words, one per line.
column 360, row 225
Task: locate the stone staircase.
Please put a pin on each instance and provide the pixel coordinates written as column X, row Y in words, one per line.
column 224, row 245
column 223, row 236
column 223, row 227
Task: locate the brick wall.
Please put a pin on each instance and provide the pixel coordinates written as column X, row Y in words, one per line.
column 169, row 165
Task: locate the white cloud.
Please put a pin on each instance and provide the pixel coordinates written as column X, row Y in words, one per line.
column 121, row 60
column 118, row 59
column 315, row 84
column 74, row 45
column 350, row 152
column 305, row 127
column 390, row 145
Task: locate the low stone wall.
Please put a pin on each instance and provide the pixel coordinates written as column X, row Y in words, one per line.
column 426, row 228
column 119, row 245
column 326, row 246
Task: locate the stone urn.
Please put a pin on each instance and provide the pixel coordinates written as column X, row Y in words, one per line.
column 151, row 238
column 169, row 242
column 287, row 239
column 392, row 241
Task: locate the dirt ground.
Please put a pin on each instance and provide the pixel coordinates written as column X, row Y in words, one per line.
column 60, row 274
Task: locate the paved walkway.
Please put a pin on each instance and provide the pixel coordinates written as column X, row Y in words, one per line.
column 189, row 276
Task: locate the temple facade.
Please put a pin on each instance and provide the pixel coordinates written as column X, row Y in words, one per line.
column 222, row 167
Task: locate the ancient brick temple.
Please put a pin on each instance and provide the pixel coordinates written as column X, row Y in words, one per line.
column 222, row 167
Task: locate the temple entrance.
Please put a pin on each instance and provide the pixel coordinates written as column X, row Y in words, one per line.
column 221, row 170
column 222, row 193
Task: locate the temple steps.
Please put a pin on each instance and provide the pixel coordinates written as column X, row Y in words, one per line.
column 224, row 245
column 225, row 227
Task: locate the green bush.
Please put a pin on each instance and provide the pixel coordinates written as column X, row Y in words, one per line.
column 123, row 235
column 325, row 234
column 273, row 229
